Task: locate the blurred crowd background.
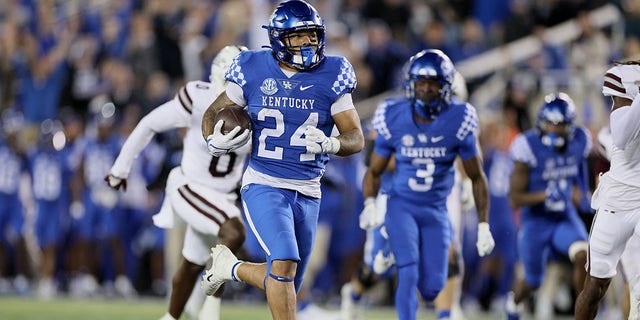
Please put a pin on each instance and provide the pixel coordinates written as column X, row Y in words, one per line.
column 77, row 75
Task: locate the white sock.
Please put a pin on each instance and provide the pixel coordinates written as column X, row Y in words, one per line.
column 511, row 306
column 234, row 272
column 210, row 309
column 167, row 316
column 194, row 304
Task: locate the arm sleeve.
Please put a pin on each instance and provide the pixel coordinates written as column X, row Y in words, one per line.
column 345, row 102
column 167, row 116
column 625, row 123
column 235, row 94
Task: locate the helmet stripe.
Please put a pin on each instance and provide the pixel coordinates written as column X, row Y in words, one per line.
column 614, row 82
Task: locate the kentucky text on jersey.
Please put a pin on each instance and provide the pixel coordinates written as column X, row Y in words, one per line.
column 423, row 152
column 287, row 102
column 559, row 172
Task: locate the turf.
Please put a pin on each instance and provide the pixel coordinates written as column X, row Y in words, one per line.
column 13, row 308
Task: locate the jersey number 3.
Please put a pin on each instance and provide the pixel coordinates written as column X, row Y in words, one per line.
column 423, row 179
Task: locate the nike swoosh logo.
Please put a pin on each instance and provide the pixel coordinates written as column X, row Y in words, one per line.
column 302, row 88
column 436, row 139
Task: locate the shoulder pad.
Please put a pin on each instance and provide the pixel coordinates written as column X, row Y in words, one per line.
column 195, row 93
column 379, row 121
column 521, row 150
column 345, row 81
column 235, row 73
column 469, row 124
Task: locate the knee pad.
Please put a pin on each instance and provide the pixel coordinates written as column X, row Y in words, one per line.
column 454, row 266
column 430, row 295
column 365, row 276
column 601, row 267
column 577, row 247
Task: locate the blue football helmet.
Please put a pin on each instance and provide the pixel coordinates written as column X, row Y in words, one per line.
column 429, row 64
column 296, row 16
column 558, row 109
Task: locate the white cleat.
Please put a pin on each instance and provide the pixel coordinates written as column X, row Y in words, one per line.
column 313, row 312
column 124, row 288
column 349, row 309
column 221, row 270
column 46, row 289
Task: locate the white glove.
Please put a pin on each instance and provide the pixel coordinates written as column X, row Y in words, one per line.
column 382, row 263
column 219, row 143
column 115, row 182
column 370, row 217
column 317, row 142
column 485, row 242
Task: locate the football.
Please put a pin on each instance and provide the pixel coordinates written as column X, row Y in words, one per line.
column 233, row 116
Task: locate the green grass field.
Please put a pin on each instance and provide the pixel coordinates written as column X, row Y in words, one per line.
column 12, row 308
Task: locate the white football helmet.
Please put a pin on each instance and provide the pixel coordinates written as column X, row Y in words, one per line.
column 221, row 63
column 622, row 81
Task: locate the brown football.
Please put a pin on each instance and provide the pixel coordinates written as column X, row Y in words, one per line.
column 233, row 116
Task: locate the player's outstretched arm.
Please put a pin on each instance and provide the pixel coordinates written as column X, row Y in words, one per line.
column 351, row 137
column 167, row 116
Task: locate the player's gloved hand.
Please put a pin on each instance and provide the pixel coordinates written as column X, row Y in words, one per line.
column 318, row 142
column 556, row 199
column 219, row 143
column 115, row 182
column 485, row 241
column 382, row 262
column 370, row 217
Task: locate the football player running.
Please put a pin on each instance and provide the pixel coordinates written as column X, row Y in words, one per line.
column 295, row 95
column 378, row 258
column 424, row 132
column 201, row 191
column 617, row 198
column 545, row 180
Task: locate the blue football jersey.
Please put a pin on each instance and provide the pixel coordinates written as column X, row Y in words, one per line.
column 424, row 152
column 10, row 170
column 281, row 107
column 98, row 157
column 550, row 168
column 49, row 174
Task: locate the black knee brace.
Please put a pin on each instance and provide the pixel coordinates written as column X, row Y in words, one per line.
column 454, row 266
column 365, row 276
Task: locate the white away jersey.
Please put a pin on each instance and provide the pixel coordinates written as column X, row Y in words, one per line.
column 185, row 111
